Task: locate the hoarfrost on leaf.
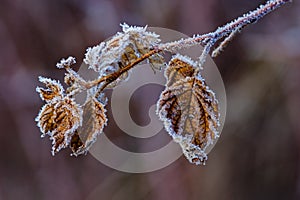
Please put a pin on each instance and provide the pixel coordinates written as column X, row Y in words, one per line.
column 59, row 120
column 189, row 109
column 121, row 50
column 53, row 91
column 94, row 120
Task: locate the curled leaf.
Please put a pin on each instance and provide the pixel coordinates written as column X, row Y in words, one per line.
column 188, row 109
column 54, row 89
column 59, row 120
column 121, row 50
column 59, row 117
column 94, row 120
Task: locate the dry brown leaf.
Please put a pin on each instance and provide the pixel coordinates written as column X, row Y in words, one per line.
column 122, row 49
column 59, row 120
column 189, row 109
column 54, row 89
column 94, row 120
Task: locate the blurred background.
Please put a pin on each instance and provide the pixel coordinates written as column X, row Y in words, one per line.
column 257, row 156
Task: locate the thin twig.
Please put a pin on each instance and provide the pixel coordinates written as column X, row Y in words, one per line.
column 225, row 43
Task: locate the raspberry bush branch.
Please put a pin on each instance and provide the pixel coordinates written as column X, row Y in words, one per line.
column 188, row 108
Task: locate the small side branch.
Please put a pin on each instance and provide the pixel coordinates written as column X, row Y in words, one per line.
column 225, row 43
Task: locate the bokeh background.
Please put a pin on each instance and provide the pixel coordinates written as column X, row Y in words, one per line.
column 257, row 156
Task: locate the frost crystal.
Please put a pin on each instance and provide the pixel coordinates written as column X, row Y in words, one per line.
column 66, row 62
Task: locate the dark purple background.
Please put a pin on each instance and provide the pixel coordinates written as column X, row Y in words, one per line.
column 257, row 156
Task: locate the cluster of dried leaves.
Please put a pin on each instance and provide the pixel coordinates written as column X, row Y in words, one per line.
column 188, row 108
column 64, row 120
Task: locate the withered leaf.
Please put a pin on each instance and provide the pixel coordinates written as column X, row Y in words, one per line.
column 94, row 120
column 59, row 120
column 54, row 89
column 122, row 49
column 189, row 109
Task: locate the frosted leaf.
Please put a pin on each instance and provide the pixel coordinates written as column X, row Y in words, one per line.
column 53, row 91
column 59, row 119
column 121, row 50
column 143, row 36
column 92, row 55
column 188, row 109
column 94, row 120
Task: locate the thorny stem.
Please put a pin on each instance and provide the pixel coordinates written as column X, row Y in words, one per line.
column 208, row 40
